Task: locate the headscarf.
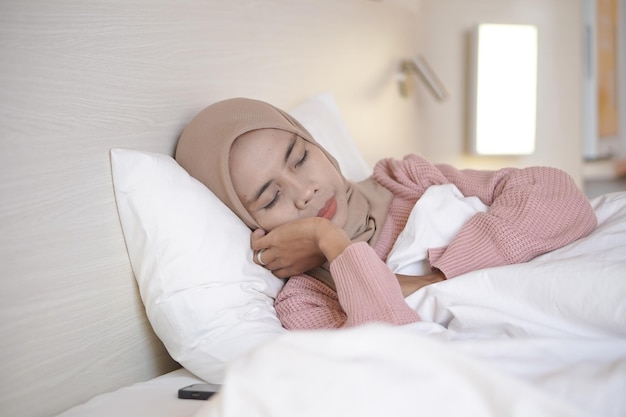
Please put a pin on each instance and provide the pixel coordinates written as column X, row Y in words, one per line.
column 203, row 150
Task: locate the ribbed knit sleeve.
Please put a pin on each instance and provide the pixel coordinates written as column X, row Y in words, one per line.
column 366, row 291
column 305, row 303
column 532, row 211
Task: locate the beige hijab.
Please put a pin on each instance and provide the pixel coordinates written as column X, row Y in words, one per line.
column 204, row 147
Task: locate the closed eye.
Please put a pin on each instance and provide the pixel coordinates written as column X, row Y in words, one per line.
column 303, row 159
column 273, row 202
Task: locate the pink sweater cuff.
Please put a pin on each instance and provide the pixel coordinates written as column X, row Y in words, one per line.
column 471, row 249
column 367, row 289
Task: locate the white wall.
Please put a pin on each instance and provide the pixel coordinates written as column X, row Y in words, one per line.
column 443, row 27
column 617, row 146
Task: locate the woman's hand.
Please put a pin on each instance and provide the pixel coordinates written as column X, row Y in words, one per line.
column 410, row 283
column 298, row 246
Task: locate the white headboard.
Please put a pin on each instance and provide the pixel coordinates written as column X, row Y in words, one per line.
column 78, row 78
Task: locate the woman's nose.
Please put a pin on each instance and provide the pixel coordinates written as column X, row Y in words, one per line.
column 304, row 194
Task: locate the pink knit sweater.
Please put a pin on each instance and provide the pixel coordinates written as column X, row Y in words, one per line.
column 532, row 211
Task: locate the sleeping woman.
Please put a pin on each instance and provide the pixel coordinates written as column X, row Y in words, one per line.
column 330, row 237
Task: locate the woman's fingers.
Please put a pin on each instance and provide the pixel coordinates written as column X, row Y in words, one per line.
column 256, row 241
column 288, row 250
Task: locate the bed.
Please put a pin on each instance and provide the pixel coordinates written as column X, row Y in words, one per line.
column 113, row 298
column 546, row 337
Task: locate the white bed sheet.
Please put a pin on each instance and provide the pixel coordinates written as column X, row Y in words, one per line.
column 157, row 397
column 543, row 338
column 575, row 291
column 378, row 370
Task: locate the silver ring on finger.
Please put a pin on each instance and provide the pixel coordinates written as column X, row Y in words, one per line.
column 259, row 258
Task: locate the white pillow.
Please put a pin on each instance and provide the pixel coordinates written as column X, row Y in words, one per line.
column 205, row 298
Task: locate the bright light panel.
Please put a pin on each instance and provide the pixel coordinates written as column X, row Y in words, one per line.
column 505, row 105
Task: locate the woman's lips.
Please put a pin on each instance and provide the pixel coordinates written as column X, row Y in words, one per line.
column 329, row 209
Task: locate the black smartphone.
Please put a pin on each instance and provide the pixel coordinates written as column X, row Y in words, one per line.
column 198, row 391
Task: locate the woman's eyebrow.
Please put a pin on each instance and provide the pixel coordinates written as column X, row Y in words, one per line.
column 261, row 190
column 294, row 139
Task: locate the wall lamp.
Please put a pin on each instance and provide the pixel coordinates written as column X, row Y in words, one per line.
column 419, row 67
column 503, row 106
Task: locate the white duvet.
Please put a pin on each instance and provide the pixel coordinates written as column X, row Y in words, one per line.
column 544, row 338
